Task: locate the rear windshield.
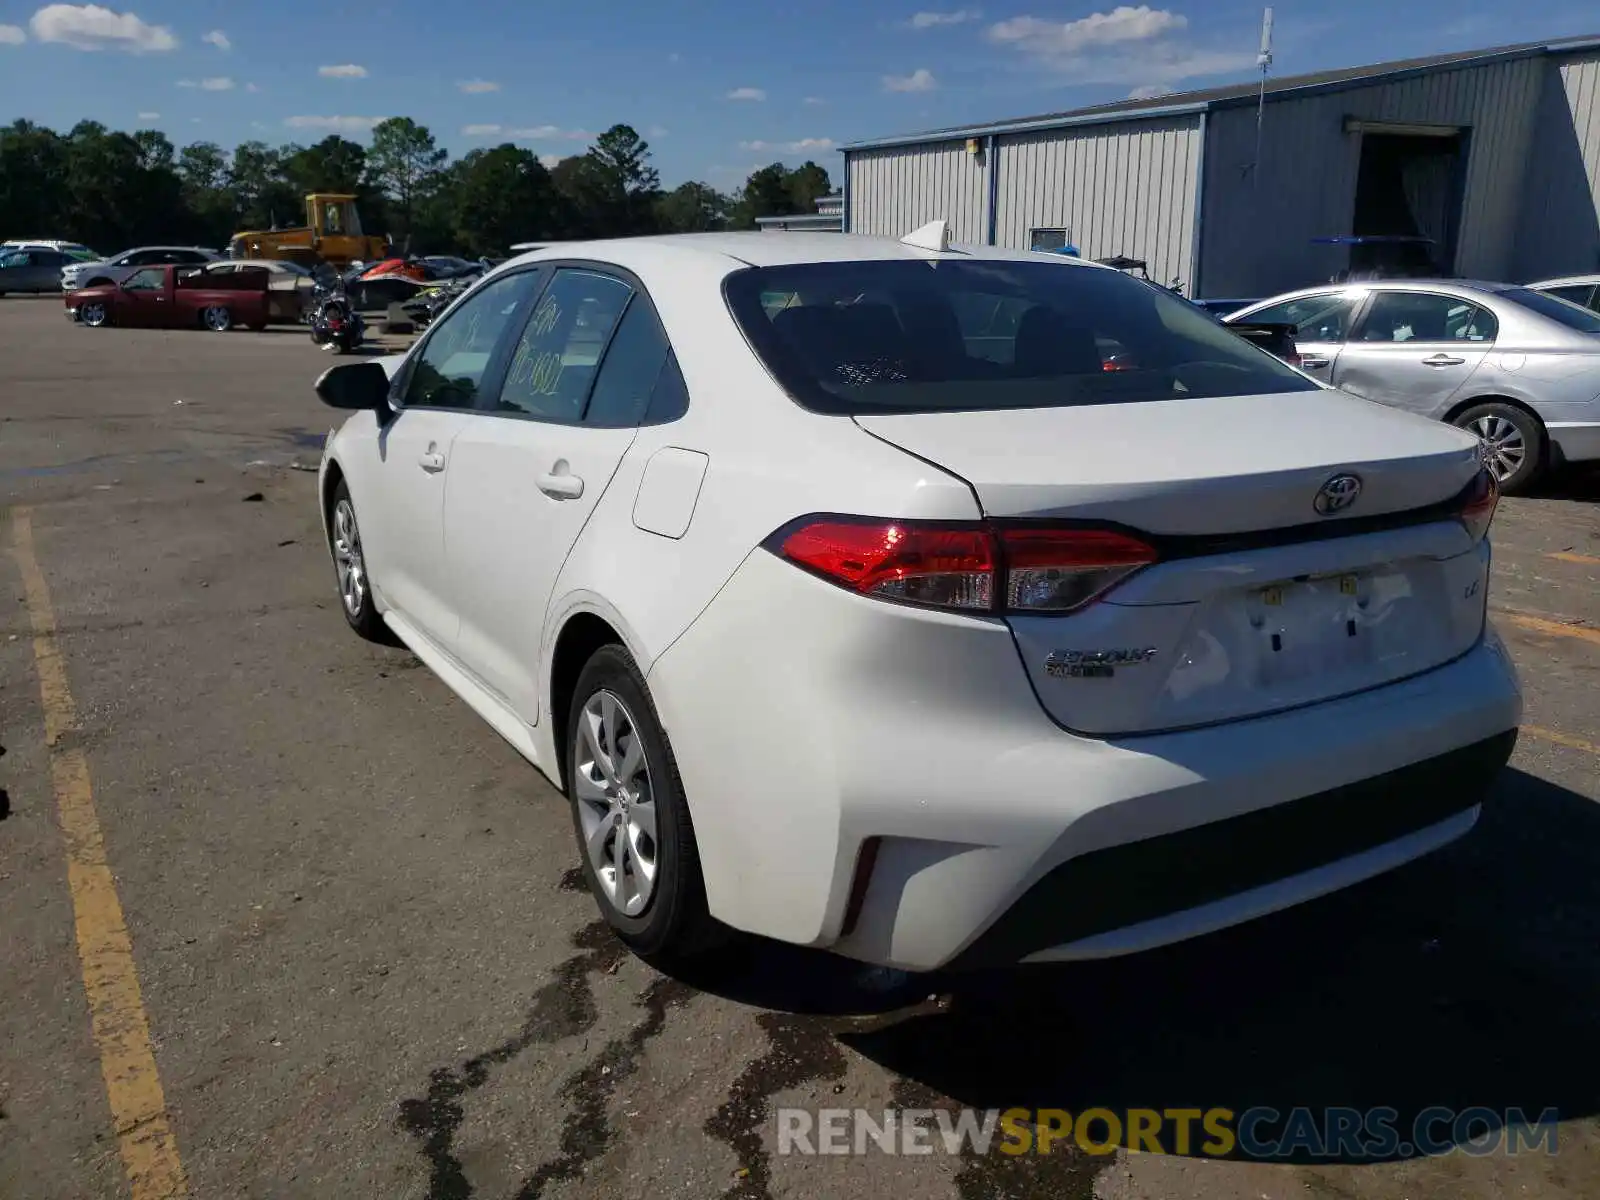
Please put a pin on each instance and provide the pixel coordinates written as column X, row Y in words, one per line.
column 1565, row 312
column 943, row 335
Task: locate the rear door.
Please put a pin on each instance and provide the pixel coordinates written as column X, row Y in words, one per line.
column 532, row 469
column 1322, row 324
column 1415, row 349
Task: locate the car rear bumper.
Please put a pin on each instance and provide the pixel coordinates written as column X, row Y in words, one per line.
column 1576, row 441
column 882, row 780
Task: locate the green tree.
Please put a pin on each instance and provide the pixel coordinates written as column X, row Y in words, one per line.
column 334, row 164
column 692, row 207
column 33, row 183
column 765, row 194
column 620, row 182
column 502, row 196
column 808, row 184
column 155, row 151
column 404, row 162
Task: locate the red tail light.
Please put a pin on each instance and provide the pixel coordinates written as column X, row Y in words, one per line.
column 968, row 567
column 1478, row 504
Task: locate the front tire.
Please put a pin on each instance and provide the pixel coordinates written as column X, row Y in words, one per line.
column 629, row 813
column 350, row 569
column 94, row 315
column 1512, row 440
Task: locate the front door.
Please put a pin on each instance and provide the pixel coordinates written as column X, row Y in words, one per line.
column 403, row 527
column 1322, row 322
column 1415, row 349
column 143, row 302
column 534, row 468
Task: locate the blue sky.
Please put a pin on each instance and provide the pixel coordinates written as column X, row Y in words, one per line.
column 717, row 87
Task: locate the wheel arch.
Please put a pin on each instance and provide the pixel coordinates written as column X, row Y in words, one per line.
column 331, row 479
column 1461, row 406
column 582, row 633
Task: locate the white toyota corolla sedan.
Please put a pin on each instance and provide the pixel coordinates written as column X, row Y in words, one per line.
column 939, row 605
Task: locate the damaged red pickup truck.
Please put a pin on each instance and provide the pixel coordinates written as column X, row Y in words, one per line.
column 173, row 297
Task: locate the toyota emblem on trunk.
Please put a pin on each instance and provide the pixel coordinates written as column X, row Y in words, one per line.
column 1338, row 494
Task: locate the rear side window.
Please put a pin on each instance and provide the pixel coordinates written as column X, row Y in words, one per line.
column 947, row 335
column 628, row 375
column 1579, row 294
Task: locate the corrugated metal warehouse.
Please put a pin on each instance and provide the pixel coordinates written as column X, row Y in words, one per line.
column 1494, row 155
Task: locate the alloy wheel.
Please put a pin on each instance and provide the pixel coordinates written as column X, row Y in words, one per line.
column 93, row 314
column 348, row 560
column 616, row 803
column 217, row 319
column 1502, row 445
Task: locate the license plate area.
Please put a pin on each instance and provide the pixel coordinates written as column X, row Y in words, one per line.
column 1314, row 625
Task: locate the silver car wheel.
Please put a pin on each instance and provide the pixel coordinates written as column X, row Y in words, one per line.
column 217, row 319
column 93, row 314
column 1502, row 444
column 347, row 559
column 616, row 804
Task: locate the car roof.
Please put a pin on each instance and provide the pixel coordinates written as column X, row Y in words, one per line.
column 1567, row 281
column 763, row 249
column 1458, row 286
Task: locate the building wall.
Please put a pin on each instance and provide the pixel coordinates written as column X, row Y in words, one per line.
column 1124, row 188
column 895, row 190
column 1256, row 234
column 1560, row 228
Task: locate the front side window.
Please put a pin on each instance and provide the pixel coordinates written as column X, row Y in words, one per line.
column 451, row 365
column 940, row 335
column 560, row 348
column 1426, row 317
column 13, row 260
column 1324, row 317
column 151, row 279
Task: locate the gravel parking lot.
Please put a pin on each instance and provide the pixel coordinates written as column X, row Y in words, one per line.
column 366, row 968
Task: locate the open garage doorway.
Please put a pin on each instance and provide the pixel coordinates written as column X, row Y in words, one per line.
column 1408, row 202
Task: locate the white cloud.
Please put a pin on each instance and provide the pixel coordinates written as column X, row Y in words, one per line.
column 920, row 80
column 333, row 124
column 747, row 93
column 674, row 57
column 545, row 133
column 1150, row 91
column 549, row 161
column 1129, row 44
column 476, row 87
column 343, row 71
column 933, row 20
column 479, row 130
column 149, row 116
column 814, row 100
column 657, row 131
column 250, row 87
column 91, row 27
column 218, row 39
column 12, row 35
column 220, row 83
column 797, row 147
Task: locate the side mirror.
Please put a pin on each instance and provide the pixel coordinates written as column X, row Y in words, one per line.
column 358, row 385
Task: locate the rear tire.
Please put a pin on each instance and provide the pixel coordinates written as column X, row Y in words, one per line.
column 1513, row 442
column 623, row 785
column 216, row 318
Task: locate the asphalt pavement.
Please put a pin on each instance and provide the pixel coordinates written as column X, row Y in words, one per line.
column 357, row 961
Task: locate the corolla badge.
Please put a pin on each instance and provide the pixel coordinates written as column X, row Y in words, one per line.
column 1338, row 494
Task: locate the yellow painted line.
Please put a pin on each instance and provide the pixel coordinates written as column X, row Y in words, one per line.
column 1555, row 628
column 1561, row 739
column 110, row 980
column 1586, row 560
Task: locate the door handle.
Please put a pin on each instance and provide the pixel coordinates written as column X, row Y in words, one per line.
column 432, row 462
column 559, row 485
column 1313, row 360
column 1443, row 360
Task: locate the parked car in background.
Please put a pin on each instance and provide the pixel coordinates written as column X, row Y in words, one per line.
column 73, row 248
column 1582, row 290
column 174, row 298
column 1157, row 650
column 31, row 270
column 1223, row 308
column 1517, row 367
column 289, row 285
column 120, row 266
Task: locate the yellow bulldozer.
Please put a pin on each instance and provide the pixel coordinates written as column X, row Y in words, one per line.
column 332, row 234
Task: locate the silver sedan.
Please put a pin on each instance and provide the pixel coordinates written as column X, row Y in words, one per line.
column 1518, row 367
